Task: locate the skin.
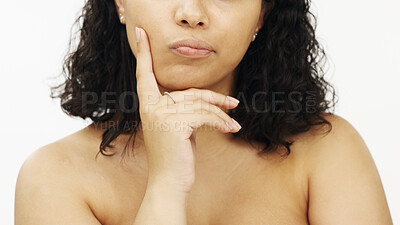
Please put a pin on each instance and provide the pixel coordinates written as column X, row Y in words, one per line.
column 327, row 179
column 211, row 20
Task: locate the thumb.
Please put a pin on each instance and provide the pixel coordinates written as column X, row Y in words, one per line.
column 147, row 86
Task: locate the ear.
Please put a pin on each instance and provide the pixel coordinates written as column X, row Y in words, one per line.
column 119, row 6
column 266, row 9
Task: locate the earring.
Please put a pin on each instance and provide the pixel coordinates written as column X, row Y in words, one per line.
column 254, row 36
column 121, row 17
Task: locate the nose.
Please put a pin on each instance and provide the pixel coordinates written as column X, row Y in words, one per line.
column 191, row 13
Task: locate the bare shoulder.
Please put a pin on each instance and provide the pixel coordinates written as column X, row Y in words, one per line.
column 344, row 183
column 48, row 190
column 340, row 141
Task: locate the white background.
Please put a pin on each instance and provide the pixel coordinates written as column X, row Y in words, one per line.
column 361, row 38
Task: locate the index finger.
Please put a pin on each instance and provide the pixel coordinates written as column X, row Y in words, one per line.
column 147, row 86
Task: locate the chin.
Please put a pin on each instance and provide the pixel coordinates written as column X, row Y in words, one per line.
column 179, row 86
column 173, row 81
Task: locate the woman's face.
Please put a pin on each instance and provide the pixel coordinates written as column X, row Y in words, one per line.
column 227, row 25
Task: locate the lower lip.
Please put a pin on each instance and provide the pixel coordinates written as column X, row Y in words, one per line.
column 191, row 52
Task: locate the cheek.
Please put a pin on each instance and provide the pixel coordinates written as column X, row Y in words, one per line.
column 141, row 14
column 233, row 49
column 235, row 35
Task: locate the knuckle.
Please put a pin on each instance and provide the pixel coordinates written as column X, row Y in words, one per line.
column 216, row 109
column 198, row 103
column 209, row 93
column 221, row 122
column 156, row 115
column 191, row 93
column 210, row 96
column 204, row 111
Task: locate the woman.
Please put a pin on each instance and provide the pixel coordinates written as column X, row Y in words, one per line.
column 285, row 161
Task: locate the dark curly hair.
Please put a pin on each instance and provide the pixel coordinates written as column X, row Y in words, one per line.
column 279, row 80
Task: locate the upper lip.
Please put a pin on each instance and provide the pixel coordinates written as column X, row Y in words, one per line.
column 192, row 43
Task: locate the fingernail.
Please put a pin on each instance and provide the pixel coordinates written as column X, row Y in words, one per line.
column 137, row 34
column 229, row 126
column 232, row 99
column 237, row 124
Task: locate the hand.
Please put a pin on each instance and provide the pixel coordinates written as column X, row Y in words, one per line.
column 169, row 129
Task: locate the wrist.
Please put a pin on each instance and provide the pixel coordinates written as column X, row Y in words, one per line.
column 162, row 204
column 171, row 186
column 165, row 197
column 166, row 189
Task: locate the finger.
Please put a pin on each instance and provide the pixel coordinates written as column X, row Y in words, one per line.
column 199, row 105
column 209, row 119
column 147, row 86
column 212, row 97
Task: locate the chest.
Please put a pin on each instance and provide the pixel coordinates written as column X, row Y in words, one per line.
column 271, row 194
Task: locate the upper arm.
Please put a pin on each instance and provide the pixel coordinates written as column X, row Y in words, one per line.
column 344, row 184
column 46, row 193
